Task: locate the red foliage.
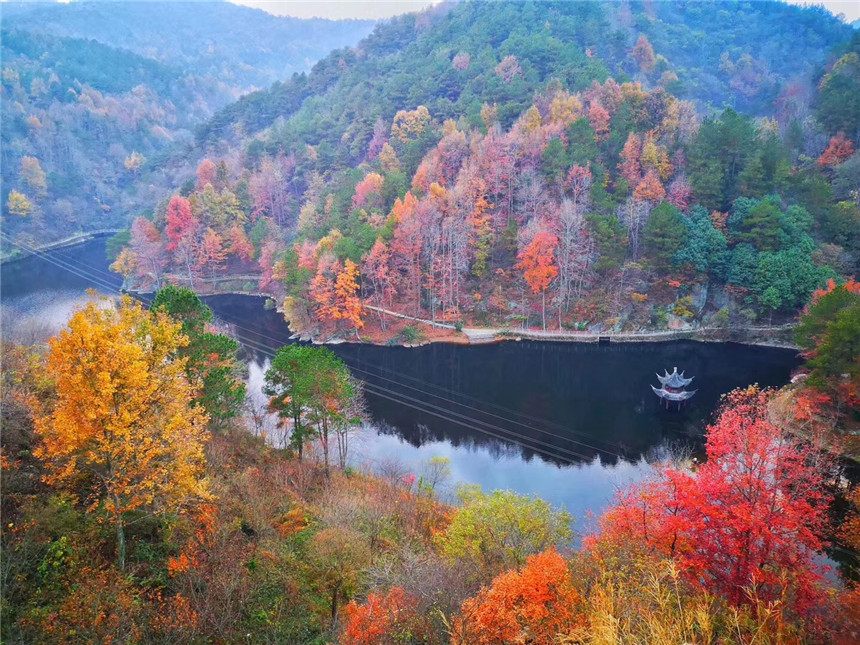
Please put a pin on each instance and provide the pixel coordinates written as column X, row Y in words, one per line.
column 210, row 252
column 383, row 620
column 532, row 605
column 180, row 222
column 406, row 248
column 508, row 69
column 268, row 256
column 307, row 255
column 147, row 246
column 848, row 619
column 643, row 54
column 838, row 150
column 461, row 61
column 680, row 193
column 335, row 292
column 599, row 119
column 107, row 608
column 851, row 286
column 367, row 191
column 747, row 524
column 650, row 189
column 755, row 512
column 374, row 268
column 205, row 174
column 378, row 141
column 194, row 551
column 537, row 263
column 240, row 245
column 630, row 167
column 720, row 221
column 579, row 181
column 809, row 404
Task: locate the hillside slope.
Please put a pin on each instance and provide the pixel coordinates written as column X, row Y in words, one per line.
column 738, row 54
column 94, row 94
column 517, row 164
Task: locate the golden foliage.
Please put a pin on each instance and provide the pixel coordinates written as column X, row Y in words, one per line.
column 410, row 124
column 123, row 416
column 18, row 204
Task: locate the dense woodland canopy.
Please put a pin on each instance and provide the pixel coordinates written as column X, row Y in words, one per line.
column 566, row 165
column 242, row 48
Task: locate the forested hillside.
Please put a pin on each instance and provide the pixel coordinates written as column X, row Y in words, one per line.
column 95, row 94
column 717, row 54
column 570, row 165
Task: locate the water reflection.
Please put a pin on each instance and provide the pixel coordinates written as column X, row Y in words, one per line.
column 563, row 402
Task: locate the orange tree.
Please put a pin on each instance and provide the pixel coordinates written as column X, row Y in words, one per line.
column 384, row 620
column 532, row 605
column 538, row 265
column 122, row 427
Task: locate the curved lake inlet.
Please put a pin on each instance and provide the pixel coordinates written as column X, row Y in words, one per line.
column 569, row 422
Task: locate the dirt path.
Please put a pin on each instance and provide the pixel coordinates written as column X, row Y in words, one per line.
column 481, row 335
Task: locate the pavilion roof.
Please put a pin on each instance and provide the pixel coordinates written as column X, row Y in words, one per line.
column 673, row 396
column 674, row 379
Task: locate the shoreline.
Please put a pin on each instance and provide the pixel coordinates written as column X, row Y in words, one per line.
column 754, row 336
column 705, row 335
column 777, row 337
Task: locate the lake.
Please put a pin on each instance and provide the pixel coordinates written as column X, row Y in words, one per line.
column 569, row 422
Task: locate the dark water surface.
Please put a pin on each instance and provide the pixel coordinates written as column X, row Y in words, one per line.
column 569, row 422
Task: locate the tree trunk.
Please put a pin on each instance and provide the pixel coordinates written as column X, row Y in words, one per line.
column 324, row 437
column 300, row 440
column 120, row 535
column 190, row 273
column 543, row 308
column 334, row 594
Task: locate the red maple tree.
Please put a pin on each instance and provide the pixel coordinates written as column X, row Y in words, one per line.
column 838, row 150
column 747, row 525
column 537, row 262
column 181, row 230
column 205, row 174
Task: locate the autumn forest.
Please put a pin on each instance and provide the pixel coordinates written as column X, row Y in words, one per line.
column 476, row 170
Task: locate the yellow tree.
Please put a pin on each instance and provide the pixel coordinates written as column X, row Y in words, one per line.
column 126, row 263
column 33, row 175
column 339, row 299
column 18, row 204
column 123, row 423
column 349, row 302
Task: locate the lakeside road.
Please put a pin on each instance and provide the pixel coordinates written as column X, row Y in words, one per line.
column 763, row 336
column 71, row 240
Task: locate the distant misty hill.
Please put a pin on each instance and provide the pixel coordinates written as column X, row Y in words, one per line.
column 240, row 46
column 95, row 94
